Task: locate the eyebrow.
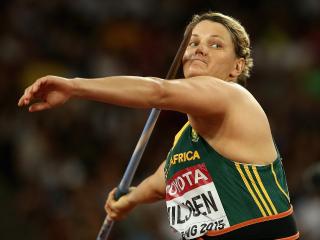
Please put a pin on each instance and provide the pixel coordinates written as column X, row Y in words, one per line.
column 213, row 35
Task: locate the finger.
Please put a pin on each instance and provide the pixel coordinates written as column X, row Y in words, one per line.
column 39, row 107
column 112, row 215
column 28, row 95
column 35, row 87
column 109, row 199
column 116, row 216
column 111, row 194
column 41, row 82
column 111, row 203
column 23, row 101
column 20, row 102
column 32, row 91
column 112, row 206
column 108, row 202
column 107, row 209
column 23, row 97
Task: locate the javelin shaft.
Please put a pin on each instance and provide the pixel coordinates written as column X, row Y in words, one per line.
column 127, row 178
column 137, row 154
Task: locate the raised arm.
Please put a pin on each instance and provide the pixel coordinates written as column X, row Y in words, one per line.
column 152, row 189
column 196, row 96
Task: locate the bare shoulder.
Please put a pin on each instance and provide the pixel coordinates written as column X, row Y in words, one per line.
column 246, row 107
column 216, row 83
column 230, row 92
column 243, row 133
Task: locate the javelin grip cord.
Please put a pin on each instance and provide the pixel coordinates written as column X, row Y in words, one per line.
column 123, row 187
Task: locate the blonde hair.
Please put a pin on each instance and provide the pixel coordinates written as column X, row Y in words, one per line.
column 239, row 37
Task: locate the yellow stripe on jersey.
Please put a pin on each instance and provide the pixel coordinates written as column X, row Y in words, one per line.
column 246, row 168
column 278, row 184
column 178, row 135
column 250, row 190
column 264, row 189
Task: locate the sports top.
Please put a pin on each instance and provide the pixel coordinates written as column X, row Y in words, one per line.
column 207, row 193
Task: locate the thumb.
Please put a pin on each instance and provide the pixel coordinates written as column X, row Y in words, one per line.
column 39, row 107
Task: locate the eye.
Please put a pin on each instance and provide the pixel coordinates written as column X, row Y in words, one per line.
column 215, row 45
column 192, row 44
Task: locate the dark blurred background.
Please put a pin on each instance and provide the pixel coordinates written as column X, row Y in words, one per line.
column 57, row 166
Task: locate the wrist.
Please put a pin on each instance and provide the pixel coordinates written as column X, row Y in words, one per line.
column 132, row 197
column 76, row 86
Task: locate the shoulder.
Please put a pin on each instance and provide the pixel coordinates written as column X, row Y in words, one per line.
column 240, row 109
column 228, row 88
column 232, row 95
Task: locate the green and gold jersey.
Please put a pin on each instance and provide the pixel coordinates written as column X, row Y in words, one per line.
column 205, row 192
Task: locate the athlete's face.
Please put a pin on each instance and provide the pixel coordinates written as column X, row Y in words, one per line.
column 211, row 53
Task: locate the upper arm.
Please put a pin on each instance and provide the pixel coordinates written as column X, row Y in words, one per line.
column 197, row 96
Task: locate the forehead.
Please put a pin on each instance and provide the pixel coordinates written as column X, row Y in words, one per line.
column 209, row 28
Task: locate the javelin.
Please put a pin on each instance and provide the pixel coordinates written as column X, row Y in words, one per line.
column 123, row 187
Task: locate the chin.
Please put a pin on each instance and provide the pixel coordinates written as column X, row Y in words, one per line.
column 193, row 72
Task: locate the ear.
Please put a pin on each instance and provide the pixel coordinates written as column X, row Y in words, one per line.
column 237, row 68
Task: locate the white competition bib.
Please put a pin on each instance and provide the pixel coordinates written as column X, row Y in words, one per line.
column 193, row 204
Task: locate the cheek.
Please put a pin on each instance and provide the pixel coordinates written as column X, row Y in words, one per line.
column 185, row 66
column 186, row 56
column 220, row 70
column 222, row 62
column 185, row 63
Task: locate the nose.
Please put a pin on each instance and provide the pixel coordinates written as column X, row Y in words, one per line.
column 201, row 50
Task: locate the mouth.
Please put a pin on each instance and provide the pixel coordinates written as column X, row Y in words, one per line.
column 198, row 60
